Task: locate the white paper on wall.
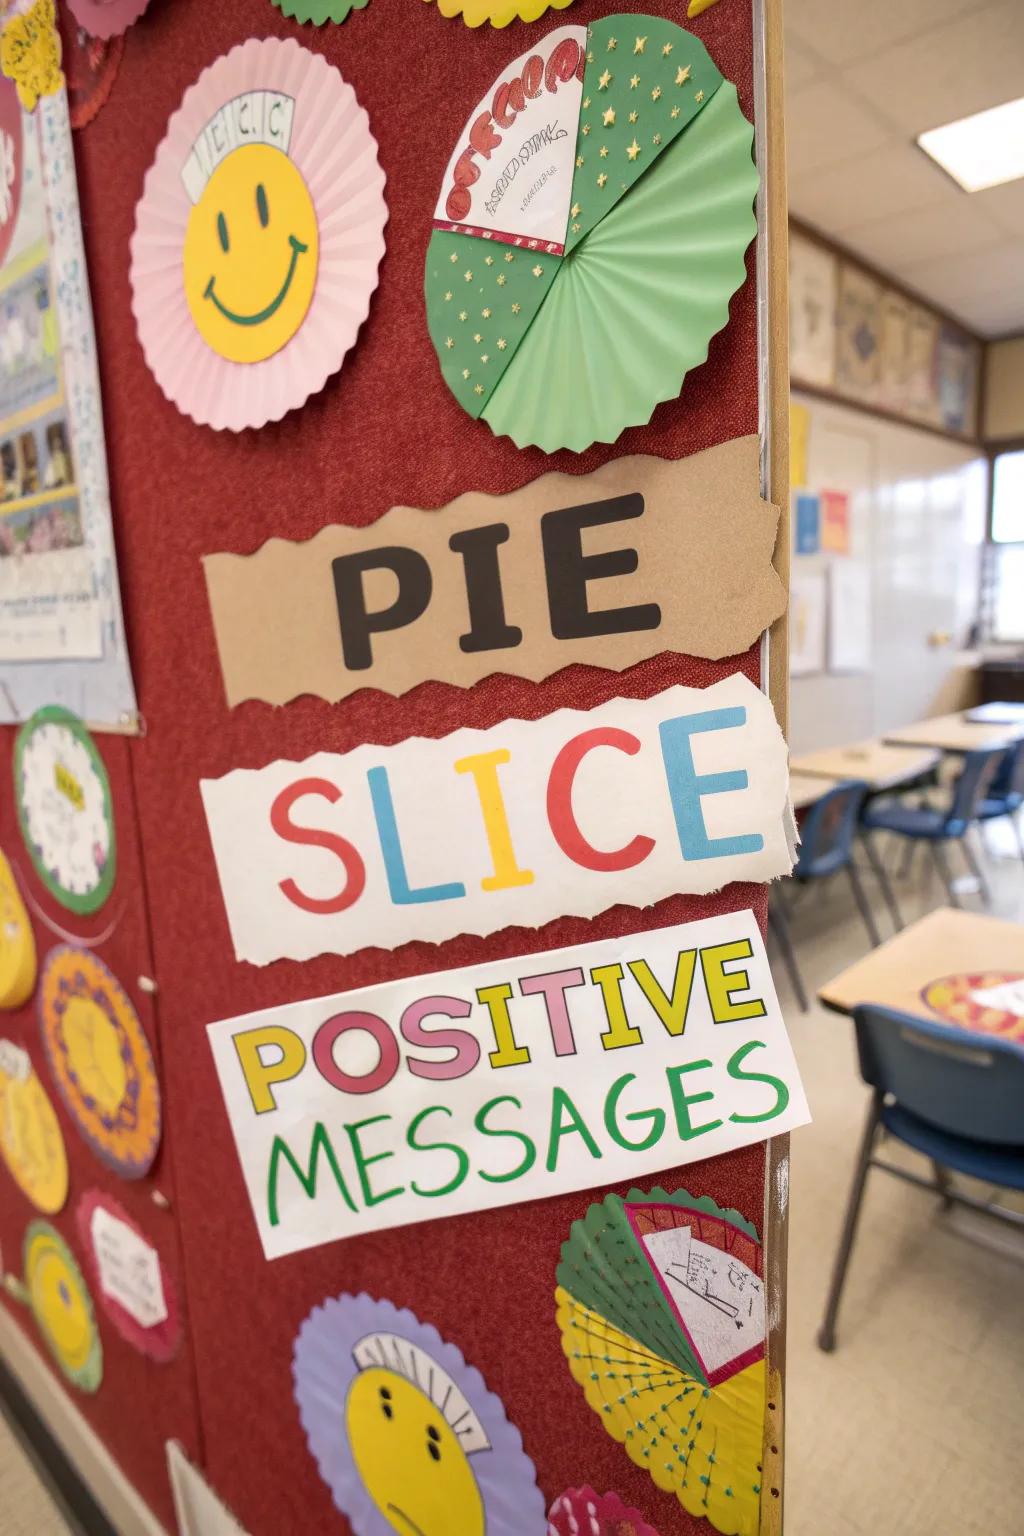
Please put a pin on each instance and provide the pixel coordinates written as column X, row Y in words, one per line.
column 129, row 1269
column 849, row 631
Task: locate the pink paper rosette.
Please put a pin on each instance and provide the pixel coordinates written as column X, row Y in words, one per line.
column 335, row 153
column 159, row 1340
column 106, row 18
column 582, row 1512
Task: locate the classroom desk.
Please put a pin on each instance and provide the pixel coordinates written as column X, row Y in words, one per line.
column 879, row 764
column 953, row 733
column 932, row 967
column 805, row 789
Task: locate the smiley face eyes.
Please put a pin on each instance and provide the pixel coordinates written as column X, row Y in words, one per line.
column 385, row 1403
column 433, row 1449
column 262, row 209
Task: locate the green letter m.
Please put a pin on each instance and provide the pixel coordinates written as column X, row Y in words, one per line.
column 320, row 1143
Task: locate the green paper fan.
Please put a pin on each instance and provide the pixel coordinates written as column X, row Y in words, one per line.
column 319, row 11
column 645, row 81
column 481, row 296
column 635, row 305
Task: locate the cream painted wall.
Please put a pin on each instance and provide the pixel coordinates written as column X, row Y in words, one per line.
column 917, row 521
column 1004, row 389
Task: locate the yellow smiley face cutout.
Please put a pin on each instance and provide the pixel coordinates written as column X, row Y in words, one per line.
column 409, row 1459
column 17, row 943
column 62, row 1306
column 250, row 255
column 31, row 1143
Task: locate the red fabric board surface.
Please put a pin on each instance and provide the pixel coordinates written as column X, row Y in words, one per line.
column 384, row 431
column 140, row 1405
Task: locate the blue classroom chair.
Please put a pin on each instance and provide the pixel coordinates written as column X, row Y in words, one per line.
column 938, row 825
column 953, row 1095
column 1005, row 794
column 826, row 847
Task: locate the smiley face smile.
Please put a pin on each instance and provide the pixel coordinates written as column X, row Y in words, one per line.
column 298, row 249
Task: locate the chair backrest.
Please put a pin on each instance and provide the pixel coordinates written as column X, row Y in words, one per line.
column 1009, row 777
column 970, row 789
column 959, row 1081
column 827, row 831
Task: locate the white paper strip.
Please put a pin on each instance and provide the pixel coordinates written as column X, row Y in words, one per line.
column 506, row 1081
column 532, row 820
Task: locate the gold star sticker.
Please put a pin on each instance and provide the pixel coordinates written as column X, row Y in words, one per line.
column 488, row 261
column 682, row 75
column 468, row 275
column 640, row 45
column 604, row 151
column 605, row 81
column 463, row 315
column 449, row 342
column 454, row 256
column 501, row 279
column 634, row 81
column 674, row 112
column 699, row 96
column 486, row 314
column 609, row 118
column 510, row 255
column 502, row 343
column 538, row 271
column 586, row 102
column 478, row 389
column 633, row 150
column 656, row 93
column 579, row 162
column 633, row 116
column 666, row 50
column 613, row 43
column 657, row 138
column 574, row 211
column 590, row 58
column 602, row 179
column 576, row 228
column 484, row 358
column 448, row 296
column 516, row 308
column 586, row 129
column 478, row 338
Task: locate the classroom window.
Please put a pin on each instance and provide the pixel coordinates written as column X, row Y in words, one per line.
column 1008, row 499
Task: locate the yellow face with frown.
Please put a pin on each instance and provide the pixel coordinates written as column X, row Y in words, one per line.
column 410, row 1460
column 250, row 256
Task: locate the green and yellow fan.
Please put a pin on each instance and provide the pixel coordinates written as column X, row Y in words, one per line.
column 590, row 233
column 660, row 1303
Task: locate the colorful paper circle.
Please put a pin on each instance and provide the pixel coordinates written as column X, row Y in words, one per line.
column 405, row 1434
column 62, row 1306
column 582, row 1512
column 319, row 11
column 90, row 69
column 106, row 18
column 132, row 1283
column 955, row 999
column 17, row 943
column 12, row 161
column 31, row 1143
column 578, row 272
column 258, row 236
column 660, row 1304
column 64, row 808
column 498, row 12
column 100, row 1060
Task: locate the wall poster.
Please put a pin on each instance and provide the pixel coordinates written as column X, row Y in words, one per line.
column 61, row 629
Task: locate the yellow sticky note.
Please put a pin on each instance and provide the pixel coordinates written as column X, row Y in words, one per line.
column 799, row 432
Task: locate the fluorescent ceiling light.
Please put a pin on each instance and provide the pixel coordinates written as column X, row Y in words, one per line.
column 983, row 150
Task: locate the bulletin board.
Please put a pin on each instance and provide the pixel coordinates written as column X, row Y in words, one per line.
column 386, row 433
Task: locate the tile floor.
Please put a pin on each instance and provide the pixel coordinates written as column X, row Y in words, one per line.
column 912, row 1427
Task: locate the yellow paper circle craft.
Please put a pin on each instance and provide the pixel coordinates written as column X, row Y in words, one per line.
column 17, row 943
column 498, row 12
column 56, row 1291
column 31, row 1143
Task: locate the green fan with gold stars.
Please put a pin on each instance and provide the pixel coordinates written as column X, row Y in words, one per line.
column 590, row 232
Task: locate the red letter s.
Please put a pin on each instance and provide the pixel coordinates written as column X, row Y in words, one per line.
column 312, row 837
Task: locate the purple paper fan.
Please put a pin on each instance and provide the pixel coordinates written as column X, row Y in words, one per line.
column 348, row 1334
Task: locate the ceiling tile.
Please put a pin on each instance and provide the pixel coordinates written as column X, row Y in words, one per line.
column 847, row 31
column 984, row 288
column 1005, row 205
column 890, row 180
column 826, row 124
column 921, row 234
column 950, row 71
